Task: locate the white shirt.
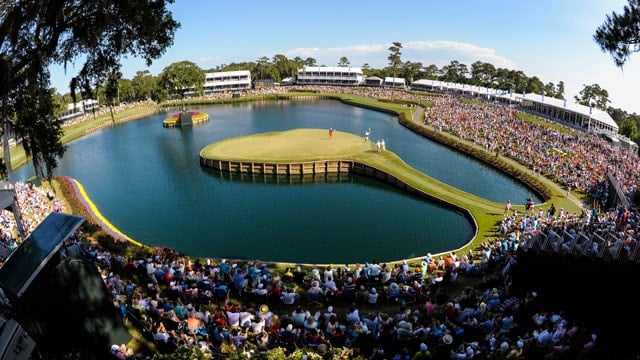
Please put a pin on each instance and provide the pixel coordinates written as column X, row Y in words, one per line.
column 258, row 325
column 289, row 298
column 328, row 275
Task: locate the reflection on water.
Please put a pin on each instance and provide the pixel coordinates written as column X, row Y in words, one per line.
column 281, row 179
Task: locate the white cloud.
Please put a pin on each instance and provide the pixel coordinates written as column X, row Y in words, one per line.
column 463, row 52
column 428, row 52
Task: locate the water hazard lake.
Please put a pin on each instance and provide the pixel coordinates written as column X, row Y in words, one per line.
column 147, row 181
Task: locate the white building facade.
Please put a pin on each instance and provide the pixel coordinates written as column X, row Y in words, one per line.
column 330, row 75
column 227, row 81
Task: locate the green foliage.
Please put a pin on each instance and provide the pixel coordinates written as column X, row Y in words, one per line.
column 125, row 91
column 620, row 33
column 36, row 125
column 394, row 57
column 185, row 353
column 455, row 72
column 482, row 74
column 144, row 85
column 629, row 128
column 593, row 95
column 181, row 77
column 100, row 33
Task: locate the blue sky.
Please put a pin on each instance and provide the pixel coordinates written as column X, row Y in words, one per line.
column 550, row 39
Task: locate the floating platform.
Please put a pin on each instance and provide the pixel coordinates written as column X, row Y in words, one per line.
column 185, row 118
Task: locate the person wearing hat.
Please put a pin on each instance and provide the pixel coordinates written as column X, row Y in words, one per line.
column 315, row 290
column 117, row 354
column 444, row 348
column 423, row 353
column 224, row 268
column 327, row 314
column 393, row 294
column 289, row 335
column 372, row 297
column 404, row 332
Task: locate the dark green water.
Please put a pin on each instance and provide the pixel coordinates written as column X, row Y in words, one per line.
column 147, row 181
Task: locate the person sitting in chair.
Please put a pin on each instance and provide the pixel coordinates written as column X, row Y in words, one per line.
column 315, row 290
column 289, row 297
column 372, row 297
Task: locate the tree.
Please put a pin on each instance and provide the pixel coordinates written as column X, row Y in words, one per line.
column 482, row 74
column 310, row 61
column 411, row 70
column 261, row 66
column 344, row 62
column 629, row 128
column 59, row 104
column 36, row 125
column 299, row 62
column 283, row 67
column 560, row 90
column 431, row 72
column 182, row 77
column 549, row 89
column 366, row 69
column 34, row 36
column 394, row 57
column 620, row 33
column 593, row 95
column 618, row 115
column 112, row 91
column 534, row 85
column 126, row 93
column 455, row 72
